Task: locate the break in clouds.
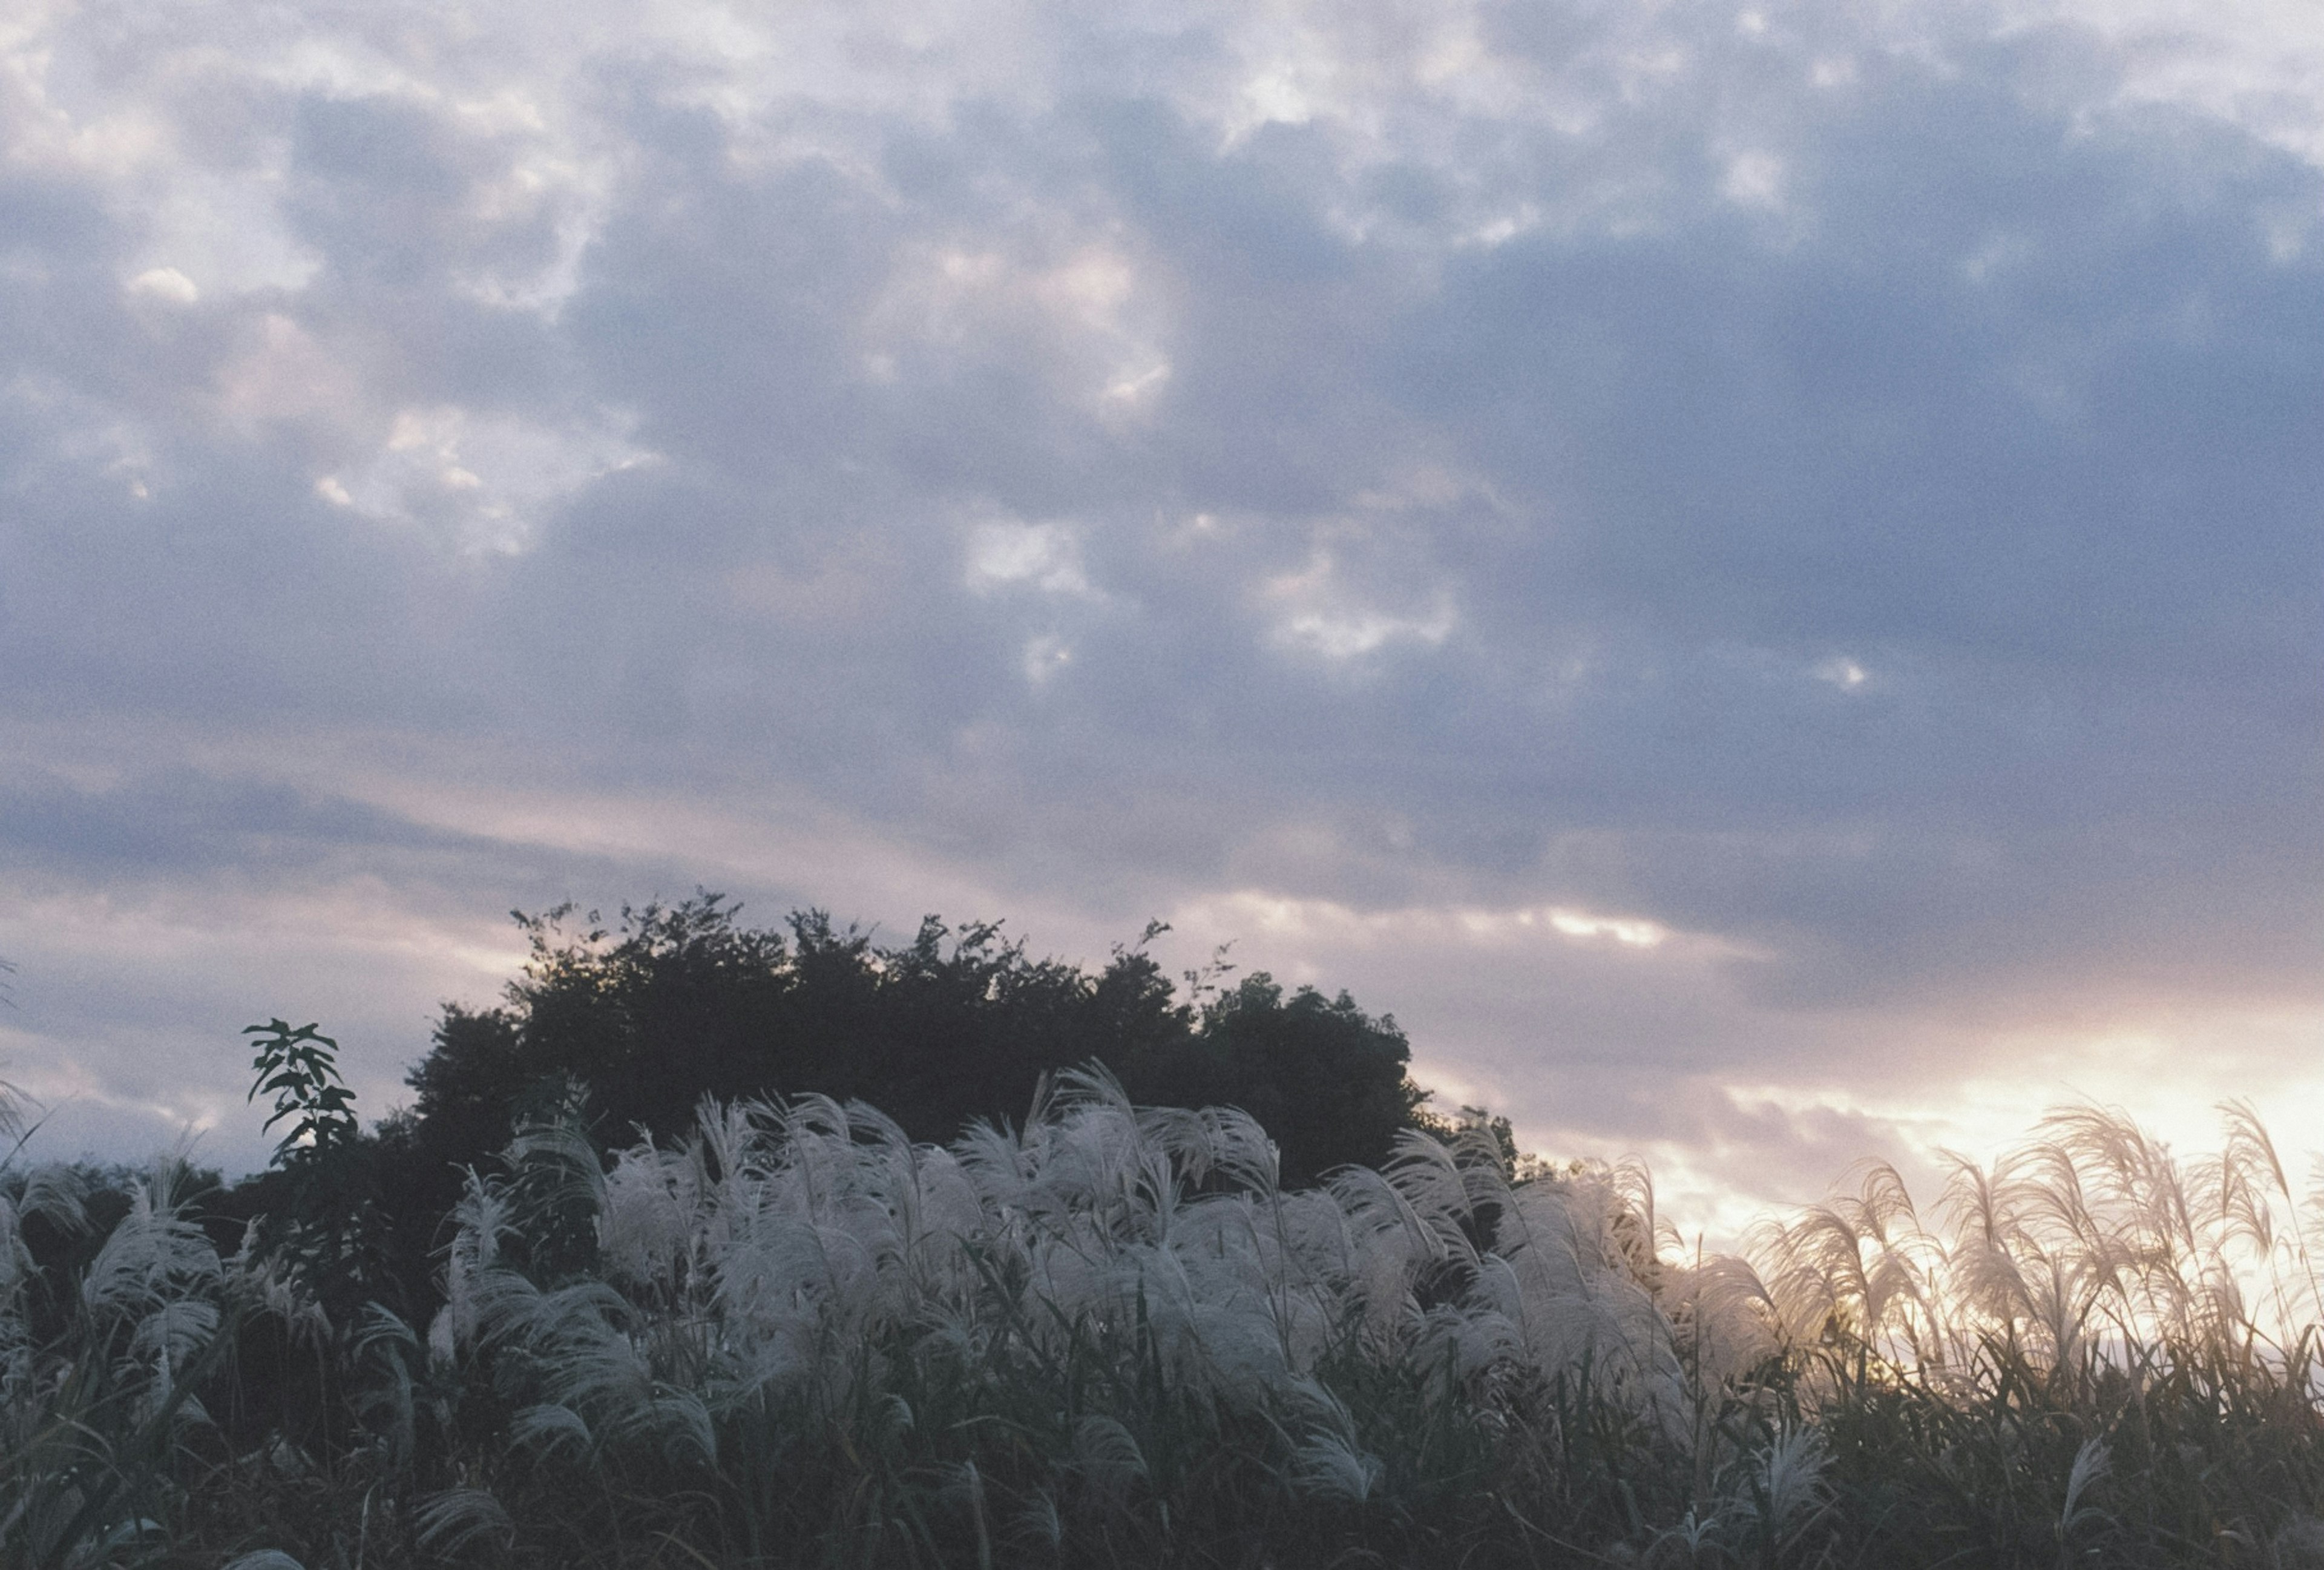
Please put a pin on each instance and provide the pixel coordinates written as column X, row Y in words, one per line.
column 1751, row 573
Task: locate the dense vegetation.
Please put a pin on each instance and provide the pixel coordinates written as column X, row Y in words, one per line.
column 686, row 1002
column 790, row 1333
column 625, row 1032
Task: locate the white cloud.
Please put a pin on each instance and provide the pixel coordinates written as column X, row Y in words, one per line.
column 480, row 483
column 1045, row 658
column 1086, row 314
column 2255, row 63
column 1042, row 556
column 226, row 229
column 1634, row 933
column 165, row 283
column 1315, row 610
column 1754, row 180
column 1345, row 632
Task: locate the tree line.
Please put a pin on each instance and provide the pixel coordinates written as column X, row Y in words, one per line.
column 686, row 1000
column 623, row 1029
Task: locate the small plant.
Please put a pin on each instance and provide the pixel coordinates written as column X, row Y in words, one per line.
column 324, row 1230
column 300, row 1069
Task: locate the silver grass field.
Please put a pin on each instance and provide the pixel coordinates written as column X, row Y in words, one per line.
column 1110, row 1337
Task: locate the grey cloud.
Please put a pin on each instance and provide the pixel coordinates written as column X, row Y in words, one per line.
column 1869, row 523
column 175, row 824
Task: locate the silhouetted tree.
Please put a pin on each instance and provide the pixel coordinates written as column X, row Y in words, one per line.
column 1326, row 1080
column 685, row 1001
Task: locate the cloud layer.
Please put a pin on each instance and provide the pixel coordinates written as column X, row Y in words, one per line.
column 1754, row 574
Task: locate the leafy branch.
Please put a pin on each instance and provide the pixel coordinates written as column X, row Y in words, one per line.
column 300, row 1069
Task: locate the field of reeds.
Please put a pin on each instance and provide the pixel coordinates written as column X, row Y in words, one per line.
column 1110, row 1337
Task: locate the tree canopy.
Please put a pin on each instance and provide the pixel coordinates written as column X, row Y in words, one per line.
column 680, row 1001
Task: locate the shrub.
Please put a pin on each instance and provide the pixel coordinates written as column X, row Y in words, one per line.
column 685, row 1001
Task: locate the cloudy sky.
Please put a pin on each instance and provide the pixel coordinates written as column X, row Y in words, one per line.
column 1756, row 575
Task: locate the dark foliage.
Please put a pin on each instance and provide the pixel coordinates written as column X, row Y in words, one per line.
column 686, row 1000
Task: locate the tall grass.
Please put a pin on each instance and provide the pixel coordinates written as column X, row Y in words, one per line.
column 1111, row 1337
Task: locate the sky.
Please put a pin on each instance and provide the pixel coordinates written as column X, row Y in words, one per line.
column 1754, row 575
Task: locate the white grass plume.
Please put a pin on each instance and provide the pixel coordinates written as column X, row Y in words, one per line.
column 787, row 1250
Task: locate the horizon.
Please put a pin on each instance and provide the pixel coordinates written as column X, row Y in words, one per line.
column 1754, row 575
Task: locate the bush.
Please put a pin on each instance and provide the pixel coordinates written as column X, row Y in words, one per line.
column 686, row 1002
